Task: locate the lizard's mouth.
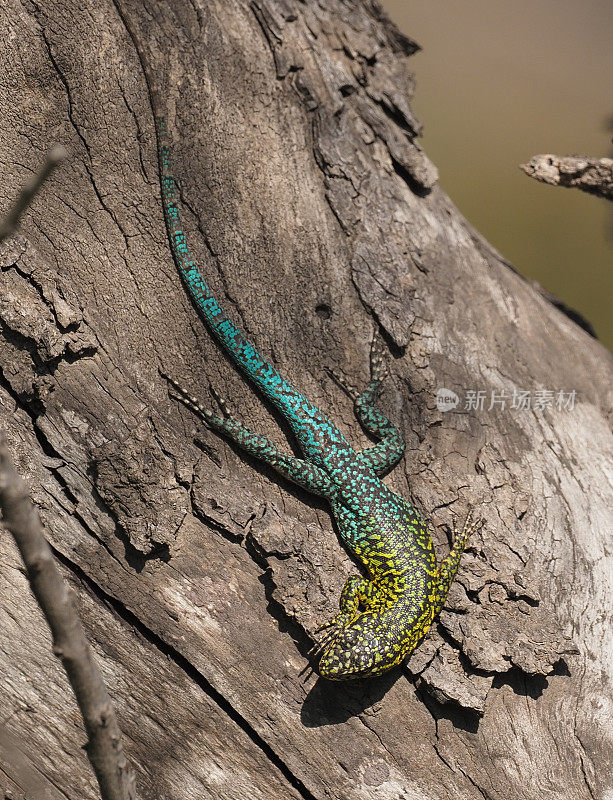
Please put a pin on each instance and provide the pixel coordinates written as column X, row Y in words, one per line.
column 347, row 676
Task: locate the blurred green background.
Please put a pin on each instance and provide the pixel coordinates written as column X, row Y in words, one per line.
column 499, row 81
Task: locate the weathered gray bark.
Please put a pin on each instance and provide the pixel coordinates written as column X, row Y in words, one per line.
column 70, row 645
column 200, row 573
column 591, row 175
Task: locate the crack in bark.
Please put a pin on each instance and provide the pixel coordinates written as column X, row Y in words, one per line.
column 459, row 769
column 286, row 623
column 183, row 663
column 133, row 556
column 71, row 117
column 61, row 76
column 71, row 326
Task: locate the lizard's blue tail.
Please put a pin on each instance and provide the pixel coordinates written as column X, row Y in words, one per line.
column 280, row 392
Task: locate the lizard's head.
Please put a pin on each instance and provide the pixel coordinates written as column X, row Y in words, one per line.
column 356, row 652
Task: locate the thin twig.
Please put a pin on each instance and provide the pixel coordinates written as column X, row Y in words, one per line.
column 593, row 175
column 9, row 222
column 104, row 748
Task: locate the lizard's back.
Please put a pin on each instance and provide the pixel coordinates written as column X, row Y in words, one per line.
column 382, row 616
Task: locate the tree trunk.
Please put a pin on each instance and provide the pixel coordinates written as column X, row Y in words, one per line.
column 200, row 574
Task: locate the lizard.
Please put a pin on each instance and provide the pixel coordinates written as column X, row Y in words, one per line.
column 384, row 613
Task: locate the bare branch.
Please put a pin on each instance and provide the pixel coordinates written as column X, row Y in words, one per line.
column 9, row 221
column 593, row 175
column 104, row 748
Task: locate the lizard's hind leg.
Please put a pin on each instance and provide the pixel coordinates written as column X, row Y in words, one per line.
column 296, row 470
column 384, row 455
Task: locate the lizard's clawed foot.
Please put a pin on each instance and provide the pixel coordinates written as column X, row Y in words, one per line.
column 347, row 387
column 223, row 406
column 187, row 399
column 322, row 643
column 470, row 526
column 333, row 627
column 379, row 369
column 329, row 624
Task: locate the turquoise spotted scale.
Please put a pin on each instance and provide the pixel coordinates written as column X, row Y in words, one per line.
column 385, row 612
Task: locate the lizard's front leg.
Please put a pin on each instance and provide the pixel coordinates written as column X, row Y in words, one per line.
column 449, row 566
column 383, row 456
column 356, row 591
